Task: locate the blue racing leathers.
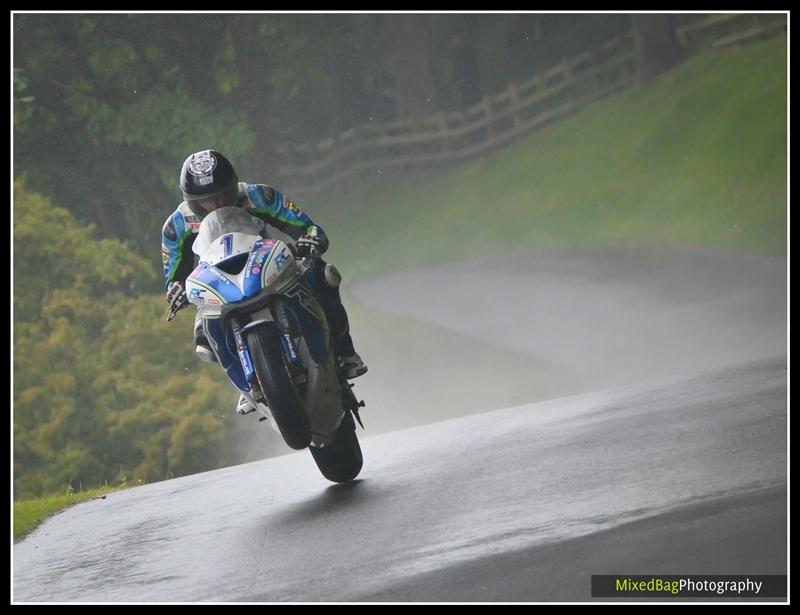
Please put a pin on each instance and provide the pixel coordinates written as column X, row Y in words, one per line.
column 277, row 211
column 259, row 200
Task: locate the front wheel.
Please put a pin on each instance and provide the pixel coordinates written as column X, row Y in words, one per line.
column 270, row 368
column 341, row 460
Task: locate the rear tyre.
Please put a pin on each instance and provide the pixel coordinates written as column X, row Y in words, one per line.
column 268, row 362
column 341, row 460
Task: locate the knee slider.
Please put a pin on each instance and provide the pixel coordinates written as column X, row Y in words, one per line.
column 332, row 276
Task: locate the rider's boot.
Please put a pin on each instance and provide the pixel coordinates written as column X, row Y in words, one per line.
column 202, row 347
column 348, row 362
column 351, row 366
column 244, row 405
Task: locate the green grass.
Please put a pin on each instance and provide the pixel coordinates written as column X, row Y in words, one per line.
column 696, row 158
column 29, row 514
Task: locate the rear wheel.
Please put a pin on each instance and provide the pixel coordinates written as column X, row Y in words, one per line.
column 270, row 368
column 341, row 460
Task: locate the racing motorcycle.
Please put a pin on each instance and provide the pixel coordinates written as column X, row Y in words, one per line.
column 270, row 333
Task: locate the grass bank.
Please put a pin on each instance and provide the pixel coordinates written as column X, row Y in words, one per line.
column 696, row 158
column 29, row 514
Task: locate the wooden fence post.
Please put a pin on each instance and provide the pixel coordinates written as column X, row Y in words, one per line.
column 566, row 76
column 487, row 111
column 540, row 86
column 513, row 97
column 441, row 122
column 596, row 63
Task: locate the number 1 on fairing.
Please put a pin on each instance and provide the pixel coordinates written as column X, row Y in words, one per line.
column 227, row 242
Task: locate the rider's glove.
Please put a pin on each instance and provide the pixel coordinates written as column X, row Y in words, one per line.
column 176, row 296
column 313, row 243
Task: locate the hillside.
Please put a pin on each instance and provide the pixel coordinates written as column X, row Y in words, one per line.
column 696, row 158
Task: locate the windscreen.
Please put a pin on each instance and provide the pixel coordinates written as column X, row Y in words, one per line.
column 222, row 221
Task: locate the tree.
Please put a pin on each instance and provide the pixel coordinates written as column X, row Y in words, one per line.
column 407, row 40
column 104, row 387
column 115, row 102
column 64, row 283
column 657, row 46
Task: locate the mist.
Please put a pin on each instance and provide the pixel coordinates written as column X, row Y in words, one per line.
column 523, row 206
column 563, row 244
column 503, row 332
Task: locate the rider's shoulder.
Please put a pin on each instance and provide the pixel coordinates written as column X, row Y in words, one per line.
column 184, row 218
column 259, row 195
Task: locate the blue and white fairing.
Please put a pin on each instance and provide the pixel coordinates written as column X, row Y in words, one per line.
column 236, row 265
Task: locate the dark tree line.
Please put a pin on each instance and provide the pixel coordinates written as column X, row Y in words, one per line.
column 108, row 105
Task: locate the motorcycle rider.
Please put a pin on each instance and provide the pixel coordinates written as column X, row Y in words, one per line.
column 208, row 181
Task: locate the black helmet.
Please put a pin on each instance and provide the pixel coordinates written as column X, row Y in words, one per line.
column 206, row 174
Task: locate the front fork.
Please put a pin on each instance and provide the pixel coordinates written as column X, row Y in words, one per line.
column 244, row 354
column 233, row 363
column 239, row 366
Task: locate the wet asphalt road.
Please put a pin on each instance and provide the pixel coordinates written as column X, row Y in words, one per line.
column 676, row 465
column 516, row 505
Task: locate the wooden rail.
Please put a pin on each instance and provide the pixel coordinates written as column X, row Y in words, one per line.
column 522, row 108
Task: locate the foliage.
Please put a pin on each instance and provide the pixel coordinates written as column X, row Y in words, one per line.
column 107, row 106
column 118, row 102
column 104, row 387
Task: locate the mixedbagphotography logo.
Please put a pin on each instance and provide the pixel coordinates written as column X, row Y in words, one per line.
column 722, row 586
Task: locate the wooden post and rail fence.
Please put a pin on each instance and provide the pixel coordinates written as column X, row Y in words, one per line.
column 497, row 120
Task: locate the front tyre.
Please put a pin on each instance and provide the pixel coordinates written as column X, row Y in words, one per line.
column 341, row 460
column 268, row 362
